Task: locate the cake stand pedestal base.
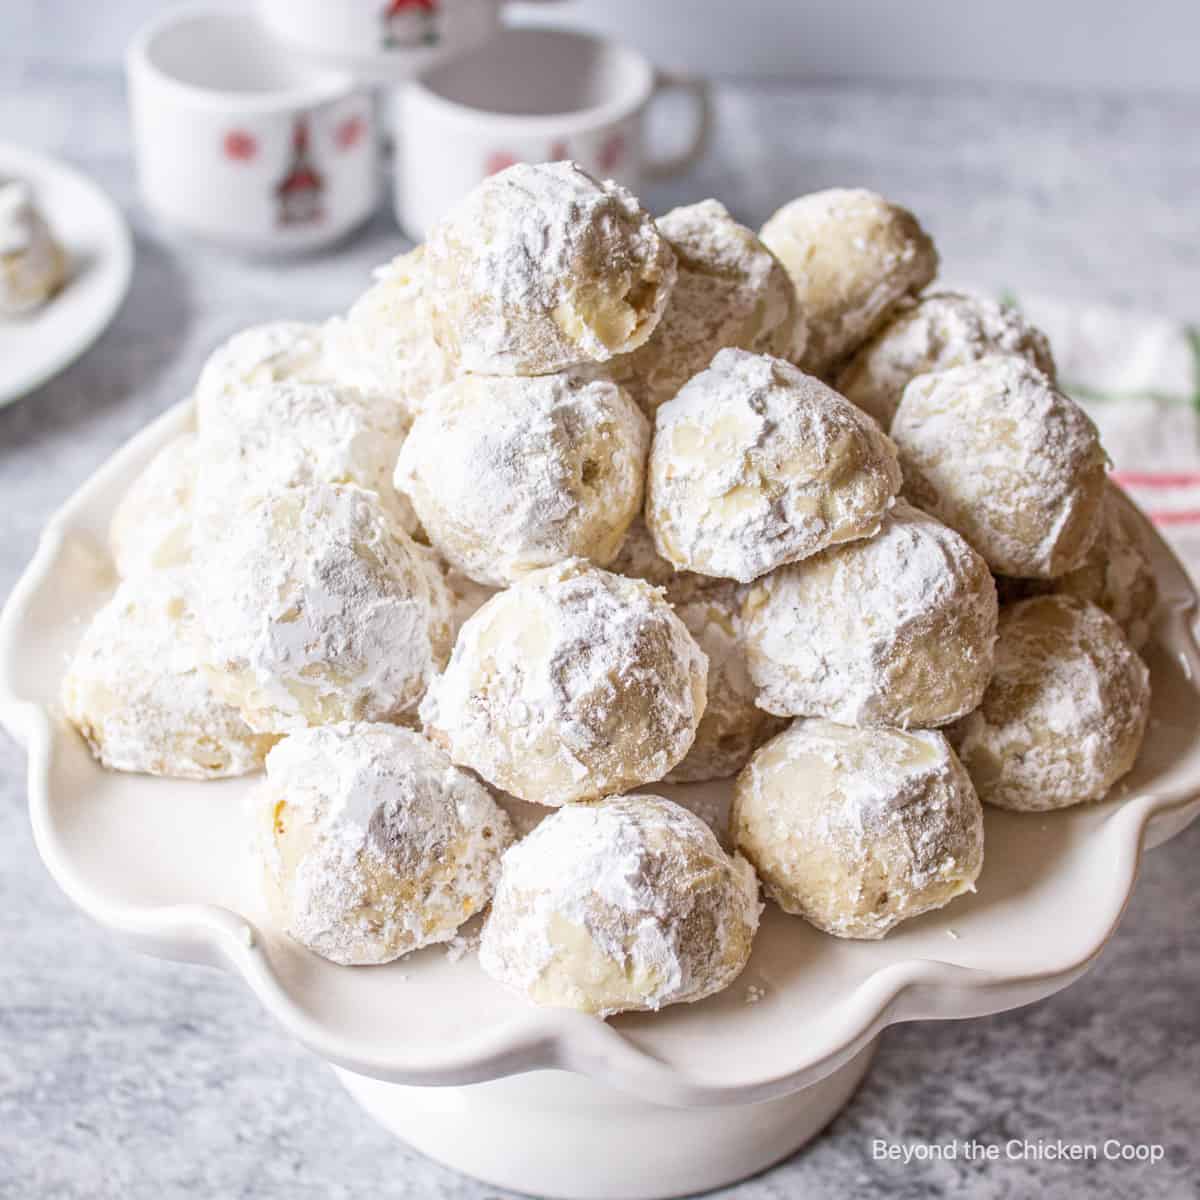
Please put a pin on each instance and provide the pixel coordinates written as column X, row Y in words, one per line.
column 561, row 1136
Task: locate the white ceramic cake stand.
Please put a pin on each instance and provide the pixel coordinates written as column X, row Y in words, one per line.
column 553, row 1102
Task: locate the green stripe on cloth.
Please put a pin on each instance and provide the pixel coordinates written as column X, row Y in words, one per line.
column 1192, row 333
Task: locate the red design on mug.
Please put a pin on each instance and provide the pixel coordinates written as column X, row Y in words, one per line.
column 350, row 132
column 240, row 146
column 498, row 160
column 409, row 23
column 612, row 152
column 298, row 193
column 559, row 151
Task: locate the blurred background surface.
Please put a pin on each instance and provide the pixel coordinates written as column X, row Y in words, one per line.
column 1064, row 42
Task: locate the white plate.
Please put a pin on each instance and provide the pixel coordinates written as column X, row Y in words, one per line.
column 36, row 347
column 165, row 865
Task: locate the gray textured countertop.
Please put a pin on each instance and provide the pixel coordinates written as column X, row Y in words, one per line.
column 125, row 1077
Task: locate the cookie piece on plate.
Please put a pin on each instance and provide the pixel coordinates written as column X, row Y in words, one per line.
column 33, row 265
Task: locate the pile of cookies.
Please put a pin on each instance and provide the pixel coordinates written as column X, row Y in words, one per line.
column 573, row 501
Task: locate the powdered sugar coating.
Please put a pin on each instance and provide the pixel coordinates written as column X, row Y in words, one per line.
column 263, row 354
column 466, row 596
column 730, row 291
column 895, row 630
column 511, row 474
column 1065, row 713
column 296, row 434
column 317, row 610
column 152, row 526
column 136, row 692
column 385, row 342
column 542, row 268
column 574, row 683
column 936, row 332
column 630, row 904
column 638, row 559
column 852, row 257
column 857, row 830
column 373, row 843
column 733, row 726
column 1116, row 575
column 755, row 464
column 995, row 451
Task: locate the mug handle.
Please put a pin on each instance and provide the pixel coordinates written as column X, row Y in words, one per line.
column 700, row 93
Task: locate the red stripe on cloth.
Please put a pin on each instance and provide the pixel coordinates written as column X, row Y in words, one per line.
column 1157, row 479
column 1190, row 516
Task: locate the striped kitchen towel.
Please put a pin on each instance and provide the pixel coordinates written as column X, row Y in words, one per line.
column 1138, row 375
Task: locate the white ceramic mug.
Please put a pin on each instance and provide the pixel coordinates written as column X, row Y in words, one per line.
column 381, row 40
column 531, row 95
column 237, row 141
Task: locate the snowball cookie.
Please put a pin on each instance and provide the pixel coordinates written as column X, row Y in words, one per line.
column 630, row 904
column 755, row 464
column 385, row 343
column 852, row 257
column 994, row 450
column 937, row 332
column 152, row 526
column 733, row 725
column 542, row 268
column 1117, row 573
column 511, row 474
column 730, row 291
column 856, row 830
column 293, row 434
column 33, row 265
column 895, row 630
column 262, row 354
column 572, row 684
column 373, row 843
column 316, row 609
column 136, row 692
column 1063, row 717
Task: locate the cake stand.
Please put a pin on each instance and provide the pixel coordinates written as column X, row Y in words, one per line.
column 547, row 1101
